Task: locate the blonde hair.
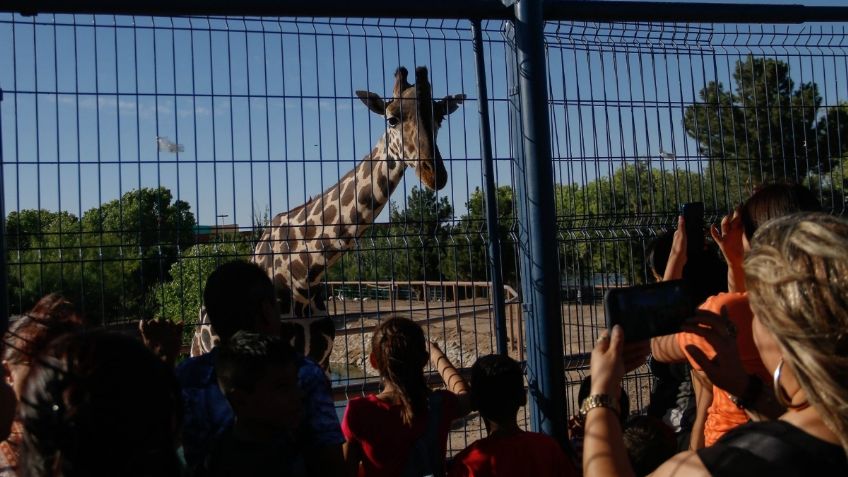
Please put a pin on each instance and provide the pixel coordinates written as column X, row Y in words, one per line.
column 797, row 276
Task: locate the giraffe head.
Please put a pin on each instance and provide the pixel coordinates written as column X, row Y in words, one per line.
column 413, row 119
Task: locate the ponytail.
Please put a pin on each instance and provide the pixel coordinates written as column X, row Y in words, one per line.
column 400, row 353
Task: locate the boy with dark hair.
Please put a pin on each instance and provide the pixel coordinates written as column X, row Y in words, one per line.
column 258, row 375
column 497, row 389
column 239, row 296
column 649, row 443
column 576, row 421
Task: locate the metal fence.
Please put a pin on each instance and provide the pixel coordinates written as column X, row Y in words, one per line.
column 138, row 152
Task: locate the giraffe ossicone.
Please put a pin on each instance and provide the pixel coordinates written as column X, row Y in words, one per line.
column 298, row 246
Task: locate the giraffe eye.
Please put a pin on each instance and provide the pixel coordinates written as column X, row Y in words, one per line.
column 392, row 121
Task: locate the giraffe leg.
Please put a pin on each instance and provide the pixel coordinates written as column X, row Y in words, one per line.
column 312, row 337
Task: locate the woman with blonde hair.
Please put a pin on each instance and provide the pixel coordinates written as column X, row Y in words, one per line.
column 797, row 277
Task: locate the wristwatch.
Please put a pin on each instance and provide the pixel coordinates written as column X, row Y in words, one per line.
column 598, row 400
column 749, row 396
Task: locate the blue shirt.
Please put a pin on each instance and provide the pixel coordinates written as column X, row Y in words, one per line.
column 207, row 412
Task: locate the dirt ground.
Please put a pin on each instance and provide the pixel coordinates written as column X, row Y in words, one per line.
column 465, row 331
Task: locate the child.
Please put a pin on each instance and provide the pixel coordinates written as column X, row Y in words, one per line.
column 649, row 443
column 52, row 316
column 498, row 392
column 576, row 423
column 239, row 296
column 404, row 429
column 258, row 375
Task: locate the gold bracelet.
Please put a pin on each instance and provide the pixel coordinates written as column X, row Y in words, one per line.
column 598, row 400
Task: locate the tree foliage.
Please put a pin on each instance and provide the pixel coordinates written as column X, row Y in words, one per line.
column 468, row 259
column 766, row 128
column 105, row 261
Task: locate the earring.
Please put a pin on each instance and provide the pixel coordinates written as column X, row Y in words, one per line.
column 780, row 394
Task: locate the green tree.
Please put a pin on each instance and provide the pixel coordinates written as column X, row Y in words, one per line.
column 767, row 128
column 468, row 259
column 602, row 225
column 831, row 186
column 422, row 231
column 107, row 260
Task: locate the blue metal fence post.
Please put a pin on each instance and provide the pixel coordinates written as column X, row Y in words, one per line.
column 4, row 290
column 490, row 194
column 537, row 227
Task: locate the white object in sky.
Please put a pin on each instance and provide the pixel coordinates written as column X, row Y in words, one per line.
column 165, row 145
column 669, row 156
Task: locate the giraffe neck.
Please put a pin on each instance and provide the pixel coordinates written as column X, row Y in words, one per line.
column 300, row 245
column 345, row 211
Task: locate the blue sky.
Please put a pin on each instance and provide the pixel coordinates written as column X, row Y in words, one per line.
column 266, row 113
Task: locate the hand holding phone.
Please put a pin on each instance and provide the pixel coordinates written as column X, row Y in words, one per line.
column 646, row 311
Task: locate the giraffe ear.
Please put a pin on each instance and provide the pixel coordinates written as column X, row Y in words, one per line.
column 448, row 104
column 373, row 101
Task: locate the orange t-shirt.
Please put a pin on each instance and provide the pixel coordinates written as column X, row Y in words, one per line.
column 723, row 415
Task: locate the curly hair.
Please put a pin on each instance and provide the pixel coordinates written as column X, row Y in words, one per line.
column 243, row 360
column 797, row 276
column 52, row 316
column 400, row 353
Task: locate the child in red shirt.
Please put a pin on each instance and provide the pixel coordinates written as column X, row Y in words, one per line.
column 385, row 431
column 498, row 392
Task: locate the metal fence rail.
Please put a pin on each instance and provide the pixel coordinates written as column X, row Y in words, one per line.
column 138, row 152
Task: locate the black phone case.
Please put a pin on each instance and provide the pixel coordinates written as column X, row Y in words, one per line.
column 646, row 311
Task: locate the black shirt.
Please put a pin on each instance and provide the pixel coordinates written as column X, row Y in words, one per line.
column 773, row 449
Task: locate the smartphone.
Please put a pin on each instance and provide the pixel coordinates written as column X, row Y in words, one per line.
column 693, row 216
column 646, row 311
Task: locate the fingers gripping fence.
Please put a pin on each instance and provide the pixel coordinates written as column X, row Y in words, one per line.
column 140, row 152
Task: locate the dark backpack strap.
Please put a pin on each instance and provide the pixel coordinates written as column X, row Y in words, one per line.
column 771, row 448
column 767, row 443
column 434, row 418
column 425, row 457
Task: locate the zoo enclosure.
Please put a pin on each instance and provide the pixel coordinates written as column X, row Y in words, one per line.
column 251, row 100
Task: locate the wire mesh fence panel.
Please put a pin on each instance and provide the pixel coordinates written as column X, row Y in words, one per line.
column 139, row 153
column 647, row 117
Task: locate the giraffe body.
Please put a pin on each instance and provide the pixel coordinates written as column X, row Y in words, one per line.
column 298, row 246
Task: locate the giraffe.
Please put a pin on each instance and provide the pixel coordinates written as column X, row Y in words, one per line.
column 299, row 245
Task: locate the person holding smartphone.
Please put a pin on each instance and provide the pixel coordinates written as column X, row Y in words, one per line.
column 737, row 391
column 801, row 343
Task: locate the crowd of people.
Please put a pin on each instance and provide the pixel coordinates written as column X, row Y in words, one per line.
column 757, row 381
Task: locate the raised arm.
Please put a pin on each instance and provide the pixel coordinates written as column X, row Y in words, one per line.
column 677, row 256
column 729, row 241
column 454, row 381
column 604, row 454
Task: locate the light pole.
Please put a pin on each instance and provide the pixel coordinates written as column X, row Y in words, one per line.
column 218, row 227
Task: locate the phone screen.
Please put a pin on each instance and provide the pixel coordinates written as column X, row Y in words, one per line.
column 646, row 311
